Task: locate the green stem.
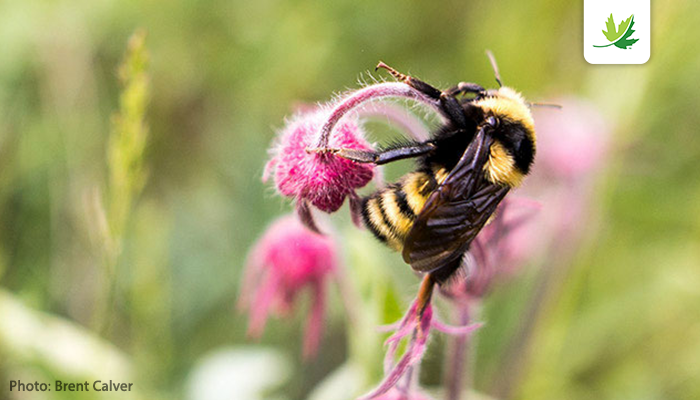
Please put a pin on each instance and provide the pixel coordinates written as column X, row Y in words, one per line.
column 605, row 45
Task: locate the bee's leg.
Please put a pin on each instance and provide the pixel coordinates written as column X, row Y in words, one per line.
column 449, row 105
column 425, row 294
column 417, row 84
column 466, row 87
column 381, row 157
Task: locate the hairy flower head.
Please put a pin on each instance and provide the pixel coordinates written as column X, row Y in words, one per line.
column 322, row 179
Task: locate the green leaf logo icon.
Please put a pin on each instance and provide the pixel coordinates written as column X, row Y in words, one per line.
column 619, row 37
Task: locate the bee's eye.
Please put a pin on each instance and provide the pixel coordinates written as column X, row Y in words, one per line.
column 493, row 122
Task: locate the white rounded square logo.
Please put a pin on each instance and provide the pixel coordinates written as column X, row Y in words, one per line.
column 616, row 31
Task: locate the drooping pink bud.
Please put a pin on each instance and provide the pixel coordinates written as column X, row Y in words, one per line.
column 302, row 167
column 286, row 260
column 322, row 179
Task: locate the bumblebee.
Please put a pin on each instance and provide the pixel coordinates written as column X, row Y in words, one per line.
column 432, row 215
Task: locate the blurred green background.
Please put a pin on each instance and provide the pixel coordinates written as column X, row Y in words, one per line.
column 142, row 286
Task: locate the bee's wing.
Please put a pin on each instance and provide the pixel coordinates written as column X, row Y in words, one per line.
column 455, row 212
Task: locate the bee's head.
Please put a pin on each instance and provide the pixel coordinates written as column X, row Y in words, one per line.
column 507, row 119
column 508, row 108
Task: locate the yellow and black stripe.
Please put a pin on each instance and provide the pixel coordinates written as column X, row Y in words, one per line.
column 389, row 213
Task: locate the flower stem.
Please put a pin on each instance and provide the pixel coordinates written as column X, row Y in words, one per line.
column 380, row 90
column 458, row 375
column 605, row 45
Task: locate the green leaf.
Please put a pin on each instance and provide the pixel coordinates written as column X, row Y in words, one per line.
column 625, row 42
column 611, row 33
column 614, row 34
column 622, row 28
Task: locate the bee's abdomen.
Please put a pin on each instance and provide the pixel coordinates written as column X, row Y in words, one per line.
column 389, row 213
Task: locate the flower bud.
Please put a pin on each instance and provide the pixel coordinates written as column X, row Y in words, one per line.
column 322, row 179
column 286, row 260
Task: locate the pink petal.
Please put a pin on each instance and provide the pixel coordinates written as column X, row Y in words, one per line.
column 405, row 327
column 314, row 325
column 414, row 353
column 389, row 327
column 456, row 330
column 306, row 216
column 393, row 376
column 260, row 307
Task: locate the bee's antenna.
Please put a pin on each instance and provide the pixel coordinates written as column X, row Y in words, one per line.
column 545, row 105
column 492, row 59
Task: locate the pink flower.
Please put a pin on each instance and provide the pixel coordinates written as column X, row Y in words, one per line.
column 416, row 328
column 286, row 260
column 324, row 180
column 304, row 170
